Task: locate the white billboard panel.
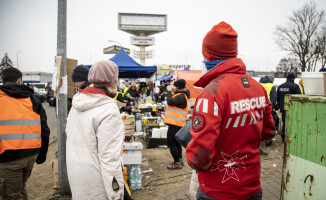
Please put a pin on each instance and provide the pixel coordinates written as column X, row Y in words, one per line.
column 145, row 20
column 142, row 24
column 142, row 41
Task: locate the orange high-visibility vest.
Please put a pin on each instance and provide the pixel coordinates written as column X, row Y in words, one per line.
column 176, row 116
column 20, row 126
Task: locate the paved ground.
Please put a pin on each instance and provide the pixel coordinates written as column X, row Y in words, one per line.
column 52, row 121
column 271, row 175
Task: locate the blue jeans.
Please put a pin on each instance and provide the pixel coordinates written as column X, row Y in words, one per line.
column 202, row 196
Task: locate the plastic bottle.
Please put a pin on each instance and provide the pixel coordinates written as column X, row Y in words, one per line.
column 139, row 178
column 132, row 177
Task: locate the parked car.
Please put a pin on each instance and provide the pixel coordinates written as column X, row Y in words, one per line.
column 39, row 90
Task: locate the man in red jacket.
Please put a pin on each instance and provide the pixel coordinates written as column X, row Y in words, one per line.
column 230, row 118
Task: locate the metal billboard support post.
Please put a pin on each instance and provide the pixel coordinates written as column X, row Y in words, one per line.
column 62, row 100
column 142, row 55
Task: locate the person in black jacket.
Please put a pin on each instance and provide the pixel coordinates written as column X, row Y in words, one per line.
column 267, row 83
column 24, row 134
column 289, row 87
column 80, row 78
column 133, row 91
column 179, row 101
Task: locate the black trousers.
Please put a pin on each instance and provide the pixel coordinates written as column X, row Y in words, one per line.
column 276, row 119
column 202, row 196
column 175, row 147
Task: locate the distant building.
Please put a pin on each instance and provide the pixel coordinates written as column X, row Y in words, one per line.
column 253, row 73
column 263, row 73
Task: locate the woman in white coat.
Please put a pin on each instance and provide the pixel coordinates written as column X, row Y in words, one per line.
column 95, row 134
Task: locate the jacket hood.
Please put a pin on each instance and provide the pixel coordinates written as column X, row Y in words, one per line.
column 232, row 65
column 186, row 92
column 90, row 98
column 265, row 79
column 16, row 90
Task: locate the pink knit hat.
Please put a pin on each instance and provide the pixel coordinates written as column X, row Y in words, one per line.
column 103, row 73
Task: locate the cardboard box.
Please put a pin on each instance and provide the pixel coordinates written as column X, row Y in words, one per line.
column 156, row 133
column 132, row 159
column 164, row 132
column 128, row 127
column 70, row 91
column 132, row 146
column 130, row 131
column 71, row 64
column 127, row 122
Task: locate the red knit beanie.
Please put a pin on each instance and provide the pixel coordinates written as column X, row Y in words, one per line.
column 220, row 43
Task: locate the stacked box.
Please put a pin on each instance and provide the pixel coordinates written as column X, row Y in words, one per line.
column 129, row 126
column 132, row 153
column 71, row 64
column 163, row 132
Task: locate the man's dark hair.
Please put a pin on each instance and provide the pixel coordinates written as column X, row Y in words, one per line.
column 11, row 74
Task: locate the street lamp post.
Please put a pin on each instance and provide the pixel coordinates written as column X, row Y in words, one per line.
column 17, row 59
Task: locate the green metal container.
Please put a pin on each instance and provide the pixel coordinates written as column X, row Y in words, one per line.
column 304, row 169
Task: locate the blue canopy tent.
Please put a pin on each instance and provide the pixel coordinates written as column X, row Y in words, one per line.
column 162, row 77
column 168, row 77
column 129, row 68
column 186, row 69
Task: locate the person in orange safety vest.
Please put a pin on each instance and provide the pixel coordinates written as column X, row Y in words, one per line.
column 24, row 134
column 176, row 114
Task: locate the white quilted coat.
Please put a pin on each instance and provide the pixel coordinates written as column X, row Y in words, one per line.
column 95, row 135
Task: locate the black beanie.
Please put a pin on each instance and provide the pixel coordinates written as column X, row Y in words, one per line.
column 180, row 84
column 291, row 75
column 80, row 73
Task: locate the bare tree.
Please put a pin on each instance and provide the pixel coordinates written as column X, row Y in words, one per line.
column 287, row 65
column 321, row 38
column 299, row 36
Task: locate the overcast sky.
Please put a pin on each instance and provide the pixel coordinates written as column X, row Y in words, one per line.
column 30, row 26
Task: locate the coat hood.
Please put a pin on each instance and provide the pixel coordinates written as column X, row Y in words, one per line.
column 89, row 98
column 16, row 90
column 186, row 92
column 232, row 65
column 265, row 79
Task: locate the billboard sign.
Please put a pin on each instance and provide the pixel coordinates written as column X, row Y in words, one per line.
column 139, row 23
column 114, row 49
column 142, row 41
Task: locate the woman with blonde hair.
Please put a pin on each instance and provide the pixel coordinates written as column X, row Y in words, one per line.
column 95, row 135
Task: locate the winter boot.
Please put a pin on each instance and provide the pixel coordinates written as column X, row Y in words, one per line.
column 181, row 162
column 174, row 165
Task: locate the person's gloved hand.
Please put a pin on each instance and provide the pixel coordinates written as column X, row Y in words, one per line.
column 40, row 159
